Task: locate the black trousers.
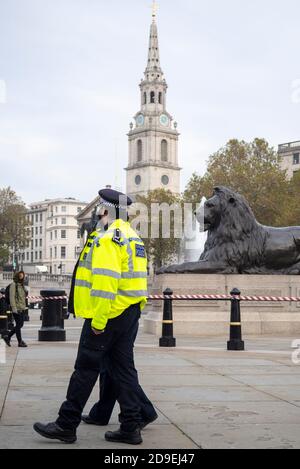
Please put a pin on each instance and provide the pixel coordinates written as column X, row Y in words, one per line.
column 19, row 320
column 103, row 409
column 110, row 353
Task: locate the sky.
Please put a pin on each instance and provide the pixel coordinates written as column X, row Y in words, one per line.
column 69, row 76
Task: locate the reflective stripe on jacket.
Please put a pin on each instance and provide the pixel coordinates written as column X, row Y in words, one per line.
column 111, row 275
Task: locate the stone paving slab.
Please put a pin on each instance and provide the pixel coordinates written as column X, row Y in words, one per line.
column 19, row 437
column 237, row 413
column 268, row 380
column 271, row 370
column 260, row 436
column 151, row 380
column 283, row 392
column 205, row 396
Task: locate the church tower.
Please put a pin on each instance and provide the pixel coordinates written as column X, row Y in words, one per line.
column 153, row 139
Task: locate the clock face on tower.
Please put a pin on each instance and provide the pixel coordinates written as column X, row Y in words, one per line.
column 140, row 120
column 164, row 120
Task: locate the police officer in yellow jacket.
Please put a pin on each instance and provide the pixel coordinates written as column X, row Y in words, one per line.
column 110, row 293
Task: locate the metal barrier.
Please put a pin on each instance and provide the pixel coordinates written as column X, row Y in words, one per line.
column 168, row 340
column 235, row 340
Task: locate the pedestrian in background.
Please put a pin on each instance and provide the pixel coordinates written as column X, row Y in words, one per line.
column 17, row 299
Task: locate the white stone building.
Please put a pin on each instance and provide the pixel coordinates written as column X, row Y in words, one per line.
column 289, row 157
column 153, row 139
column 55, row 237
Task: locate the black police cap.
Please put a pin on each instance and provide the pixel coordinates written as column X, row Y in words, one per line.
column 112, row 198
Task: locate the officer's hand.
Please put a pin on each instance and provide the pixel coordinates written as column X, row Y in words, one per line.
column 96, row 332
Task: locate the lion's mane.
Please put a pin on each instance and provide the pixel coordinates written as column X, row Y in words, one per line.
column 238, row 240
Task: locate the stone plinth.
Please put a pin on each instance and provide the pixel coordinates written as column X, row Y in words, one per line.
column 211, row 318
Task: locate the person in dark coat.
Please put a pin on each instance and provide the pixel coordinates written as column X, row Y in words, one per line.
column 17, row 298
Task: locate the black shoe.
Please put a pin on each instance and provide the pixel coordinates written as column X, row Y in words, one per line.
column 87, row 419
column 22, row 344
column 54, row 432
column 146, row 422
column 7, row 340
column 131, row 438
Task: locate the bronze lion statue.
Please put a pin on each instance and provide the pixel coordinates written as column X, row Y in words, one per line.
column 238, row 244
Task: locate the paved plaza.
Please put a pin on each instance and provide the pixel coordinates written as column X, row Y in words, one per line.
column 205, row 396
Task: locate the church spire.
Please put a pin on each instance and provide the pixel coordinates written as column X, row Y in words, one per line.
column 153, row 139
column 153, row 70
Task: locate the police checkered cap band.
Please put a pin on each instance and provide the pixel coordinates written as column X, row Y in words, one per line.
column 105, row 203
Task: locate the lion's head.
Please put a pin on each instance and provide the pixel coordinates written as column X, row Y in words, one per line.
column 233, row 233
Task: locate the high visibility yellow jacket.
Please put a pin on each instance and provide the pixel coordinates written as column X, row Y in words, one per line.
column 111, row 274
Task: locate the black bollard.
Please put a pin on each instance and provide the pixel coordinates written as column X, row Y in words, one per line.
column 235, row 341
column 167, row 339
column 66, row 313
column 52, row 317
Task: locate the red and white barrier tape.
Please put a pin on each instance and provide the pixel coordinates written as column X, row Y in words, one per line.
column 192, row 297
column 189, row 297
column 226, row 297
column 41, row 298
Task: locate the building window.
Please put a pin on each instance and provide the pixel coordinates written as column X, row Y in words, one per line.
column 50, row 253
column 296, row 158
column 160, row 98
column 164, row 150
column 41, row 230
column 145, row 98
column 79, row 209
column 64, row 208
column 138, row 180
column 36, row 217
column 63, row 234
column 31, row 244
column 78, row 234
column 55, row 234
column 55, row 252
column 41, row 217
column 41, row 255
column 32, row 232
column 152, row 97
column 63, row 252
column 36, row 243
column 63, row 221
column 56, row 221
column 36, row 230
column 51, row 235
column 27, row 256
column 31, row 255
column 41, row 242
column 139, row 150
